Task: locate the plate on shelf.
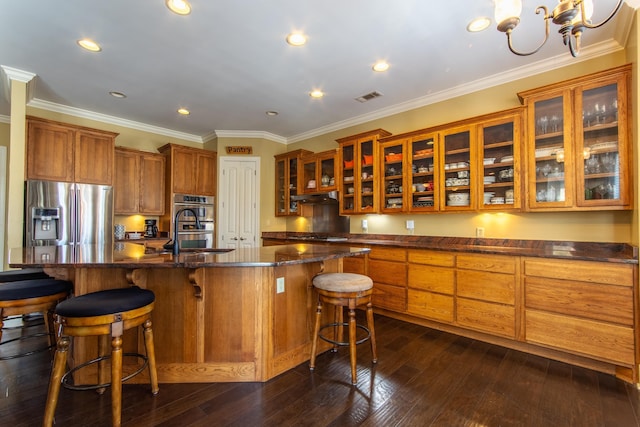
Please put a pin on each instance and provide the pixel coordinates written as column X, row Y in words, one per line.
column 450, row 203
column 506, row 159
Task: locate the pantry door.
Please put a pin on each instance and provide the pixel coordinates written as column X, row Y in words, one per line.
column 238, row 202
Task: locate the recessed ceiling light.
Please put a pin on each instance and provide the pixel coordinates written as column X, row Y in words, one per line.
column 381, row 66
column 316, row 93
column 272, row 113
column 117, row 94
column 181, row 7
column 479, row 24
column 296, row 39
column 89, row 45
column 184, row 111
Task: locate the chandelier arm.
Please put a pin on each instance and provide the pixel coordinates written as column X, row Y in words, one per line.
column 539, row 9
column 574, row 47
column 588, row 25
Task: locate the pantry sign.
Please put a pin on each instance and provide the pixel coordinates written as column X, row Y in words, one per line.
column 239, row 150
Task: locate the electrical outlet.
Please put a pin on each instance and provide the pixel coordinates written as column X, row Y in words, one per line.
column 479, row 231
column 410, row 224
column 365, row 225
column 280, row 285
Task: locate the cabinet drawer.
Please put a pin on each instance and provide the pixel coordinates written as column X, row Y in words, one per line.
column 442, row 259
column 391, row 273
column 389, row 297
column 482, row 316
column 354, row 264
column 389, row 254
column 430, row 305
column 584, row 271
column 593, row 301
column 436, row 279
column 494, row 287
column 495, row 263
column 602, row 340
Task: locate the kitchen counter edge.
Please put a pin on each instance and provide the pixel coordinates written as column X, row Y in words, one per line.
column 587, row 251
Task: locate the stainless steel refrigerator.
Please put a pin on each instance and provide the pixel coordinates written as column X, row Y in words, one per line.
column 63, row 213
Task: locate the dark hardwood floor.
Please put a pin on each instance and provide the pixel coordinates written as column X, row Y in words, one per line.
column 423, row 378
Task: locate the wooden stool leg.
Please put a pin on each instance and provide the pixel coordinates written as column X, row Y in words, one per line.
column 372, row 332
column 116, row 380
column 352, row 340
column 104, row 348
column 314, row 339
column 151, row 356
column 59, row 364
column 1, row 323
column 339, row 319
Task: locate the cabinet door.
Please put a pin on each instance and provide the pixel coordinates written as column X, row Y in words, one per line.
column 422, row 157
column 348, row 183
column 456, row 167
column 152, row 173
column 282, row 187
column 126, row 190
column 50, row 152
column 93, row 158
column 295, row 183
column 366, row 198
column 310, row 175
column 500, row 172
column 206, row 174
column 183, row 170
column 601, row 157
column 550, row 165
column 327, row 170
column 394, row 188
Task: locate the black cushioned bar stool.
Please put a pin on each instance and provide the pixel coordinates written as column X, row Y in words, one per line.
column 109, row 312
column 30, row 296
column 344, row 290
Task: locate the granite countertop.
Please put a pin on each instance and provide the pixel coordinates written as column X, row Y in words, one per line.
column 589, row 251
column 132, row 255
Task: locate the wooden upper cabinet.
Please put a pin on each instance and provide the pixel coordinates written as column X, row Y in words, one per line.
column 138, row 182
column 152, row 173
column 190, row 170
column 578, row 143
column 61, row 152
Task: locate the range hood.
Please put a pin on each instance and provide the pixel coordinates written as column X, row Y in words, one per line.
column 316, row 198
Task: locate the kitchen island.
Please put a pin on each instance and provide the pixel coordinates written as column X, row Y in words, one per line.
column 240, row 315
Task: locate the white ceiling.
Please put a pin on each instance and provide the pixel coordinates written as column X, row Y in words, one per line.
column 228, row 61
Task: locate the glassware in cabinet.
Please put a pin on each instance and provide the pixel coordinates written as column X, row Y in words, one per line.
column 392, row 156
column 601, row 155
column 456, row 169
column 422, row 157
column 319, row 172
column 550, row 182
column 282, row 195
column 500, row 141
column 293, row 185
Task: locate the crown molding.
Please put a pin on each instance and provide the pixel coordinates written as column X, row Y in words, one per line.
column 549, row 64
column 104, row 118
column 8, row 74
column 251, row 134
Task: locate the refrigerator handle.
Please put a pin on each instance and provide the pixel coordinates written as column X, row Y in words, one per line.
column 73, row 210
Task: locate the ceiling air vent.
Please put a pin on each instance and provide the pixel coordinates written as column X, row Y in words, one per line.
column 368, row 97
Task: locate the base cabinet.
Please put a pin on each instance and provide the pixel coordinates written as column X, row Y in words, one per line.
column 431, row 285
column 388, row 270
column 582, row 307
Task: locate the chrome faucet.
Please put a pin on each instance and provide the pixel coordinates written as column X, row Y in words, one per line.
column 176, row 245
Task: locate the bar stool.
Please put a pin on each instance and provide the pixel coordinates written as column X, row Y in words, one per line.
column 23, row 297
column 344, row 290
column 103, row 313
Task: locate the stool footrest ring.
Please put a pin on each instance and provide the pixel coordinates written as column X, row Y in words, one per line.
column 28, row 353
column 343, row 343
column 67, row 385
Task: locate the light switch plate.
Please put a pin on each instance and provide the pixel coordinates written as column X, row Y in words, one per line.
column 280, row 285
column 410, row 224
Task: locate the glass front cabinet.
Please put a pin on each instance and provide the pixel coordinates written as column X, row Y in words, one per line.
column 319, row 172
column 360, row 172
column 289, row 181
column 456, row 169
column 499, row 178
column 578, row 154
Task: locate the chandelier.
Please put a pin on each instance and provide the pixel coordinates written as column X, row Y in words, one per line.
column 573, row 16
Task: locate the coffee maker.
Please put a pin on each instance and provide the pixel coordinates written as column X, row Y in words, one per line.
column 150, row 228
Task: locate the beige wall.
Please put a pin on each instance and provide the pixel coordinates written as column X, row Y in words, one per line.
column 586, row 226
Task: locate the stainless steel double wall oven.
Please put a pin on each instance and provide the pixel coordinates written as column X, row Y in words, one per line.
column 189, row 235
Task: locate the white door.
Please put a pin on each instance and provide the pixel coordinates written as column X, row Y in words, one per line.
column 3, row 195
column 238, row 202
